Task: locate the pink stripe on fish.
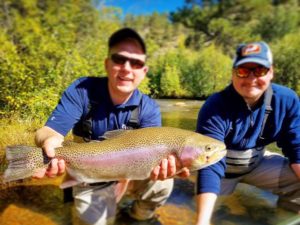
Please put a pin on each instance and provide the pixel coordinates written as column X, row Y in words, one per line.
column 126, row 156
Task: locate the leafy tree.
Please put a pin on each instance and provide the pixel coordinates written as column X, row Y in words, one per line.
column 45, row 45
column 224, row 22
column 209, row 73
column 170, row 82
column 228, row 23
column 167, row 70
column 229, row 35
column 278, row 21
column 160, row 34
column 144, row 86
column 286, row 52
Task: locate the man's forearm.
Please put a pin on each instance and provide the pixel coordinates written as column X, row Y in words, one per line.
column 49, row 139
column 205, row 207
column 45, row 133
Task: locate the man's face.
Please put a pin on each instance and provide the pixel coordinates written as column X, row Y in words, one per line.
column 252, row 87
column 125, row 67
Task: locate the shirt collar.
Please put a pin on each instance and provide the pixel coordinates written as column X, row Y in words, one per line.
column 133, row 101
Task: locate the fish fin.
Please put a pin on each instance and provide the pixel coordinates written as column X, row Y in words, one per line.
column 120, row 189
column 69, row 181
column 69, row 143
column 18, row 162
column 114, row 133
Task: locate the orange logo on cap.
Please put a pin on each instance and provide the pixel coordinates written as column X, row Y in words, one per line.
column 251, row 49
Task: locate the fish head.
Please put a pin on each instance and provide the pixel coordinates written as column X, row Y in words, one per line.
column 200, row 151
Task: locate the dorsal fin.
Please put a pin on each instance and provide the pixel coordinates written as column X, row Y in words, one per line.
column 69, row 143
column 114, row 133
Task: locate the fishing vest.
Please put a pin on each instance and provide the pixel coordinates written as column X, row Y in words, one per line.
column 242, row 162
column 133, row 123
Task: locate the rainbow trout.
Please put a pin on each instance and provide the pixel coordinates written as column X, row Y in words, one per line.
column 125, row 154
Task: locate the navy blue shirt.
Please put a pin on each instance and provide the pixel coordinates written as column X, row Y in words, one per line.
column 73, row 107
column 225, row 116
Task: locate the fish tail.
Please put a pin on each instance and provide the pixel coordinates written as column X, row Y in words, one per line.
column 22, row 162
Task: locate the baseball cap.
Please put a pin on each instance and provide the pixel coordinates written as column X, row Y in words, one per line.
column 255, row 52
column 123, row 34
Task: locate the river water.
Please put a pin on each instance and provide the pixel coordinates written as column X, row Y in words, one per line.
column 40, row 202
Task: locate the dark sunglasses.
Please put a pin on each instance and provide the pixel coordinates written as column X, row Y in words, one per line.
column 121, row 60
column 258, row 71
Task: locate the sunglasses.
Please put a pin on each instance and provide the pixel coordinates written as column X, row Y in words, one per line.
column 121, row 60
column 258, row 71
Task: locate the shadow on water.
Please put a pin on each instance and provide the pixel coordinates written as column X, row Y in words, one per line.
column 251, row 206
column 28, row 205
column 42, row 203
column 247, row 206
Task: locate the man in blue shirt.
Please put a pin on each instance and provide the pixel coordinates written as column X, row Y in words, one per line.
column 249, row 114
column 107, row 104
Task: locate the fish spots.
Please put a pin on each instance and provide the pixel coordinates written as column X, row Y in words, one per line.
column 131, row 155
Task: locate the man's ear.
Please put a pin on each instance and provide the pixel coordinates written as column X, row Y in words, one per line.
column 272, row 72
column 106, row 64
column 146, row 69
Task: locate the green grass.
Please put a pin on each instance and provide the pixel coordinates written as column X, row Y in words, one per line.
column 16, row 132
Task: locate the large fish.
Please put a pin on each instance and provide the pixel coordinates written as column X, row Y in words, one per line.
column 125, row 154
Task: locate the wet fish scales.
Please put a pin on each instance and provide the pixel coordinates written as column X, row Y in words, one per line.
column 125, row 155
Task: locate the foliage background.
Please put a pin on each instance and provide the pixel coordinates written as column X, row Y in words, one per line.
column 46, row 44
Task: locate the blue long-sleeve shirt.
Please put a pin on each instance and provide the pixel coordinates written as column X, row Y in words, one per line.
column 73, row 106
column 226, row 117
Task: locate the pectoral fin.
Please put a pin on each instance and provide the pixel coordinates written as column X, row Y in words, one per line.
column 69, row 182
